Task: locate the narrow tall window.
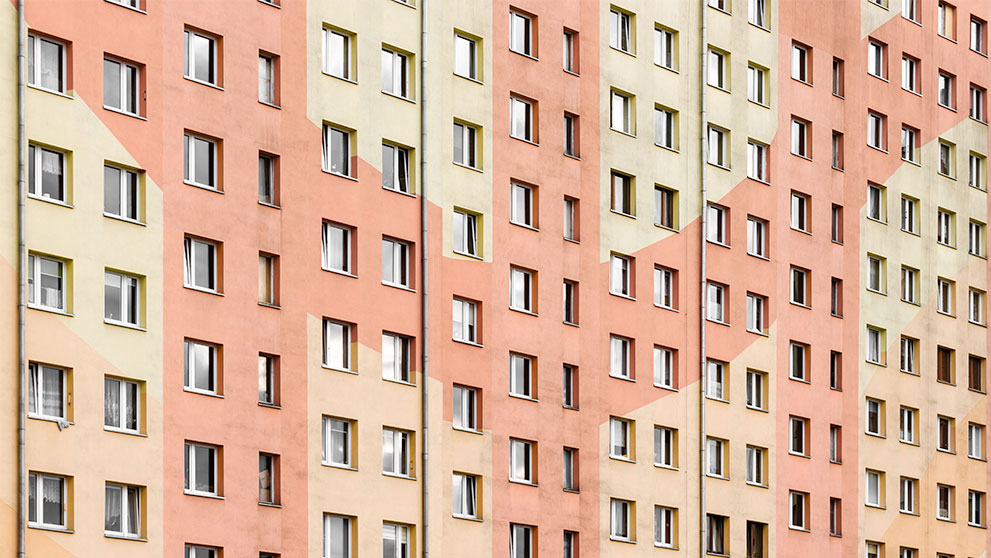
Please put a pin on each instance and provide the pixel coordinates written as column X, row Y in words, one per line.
column 465, row 408
column 396, row 357
column 521, row 290
column 909, row 354
column 572, row 219
column 799, row 433
column 621, row 112
column 757, row 13
column 665, row 131
column 874, row 489
column 619, row 438
column 756, row 237
column 801, row 63
column 715, row 302
column 268, row 279
column 337, row 348
column 622, row 194
column 569, row 386
column 908, row 419
column 978, row 35
column 838, row 77
column 757, row 164
column 521, row 459
column 877, row 131
column 121, row 86
column 267, row 79
column 522, row 205
column 267, row 478
column 201, row 57
column 946, row 20
column 621, row 275
column 521, row 541
column 570, row 302
column 756, row 382
column 910, row 10
column 396, row 256
column 521, row 118
column 570, row 48
column 464, row 321
column 910, row 73
column 977, row 106
column 800, row 286
column 718, row 147
column 945, row 93
column 620, row 33
column 947, row 159
column 620, row 357
column 756, row 465
column 336, row 254
column 800, row 138
column 337, row 56
column 975, row 441
column 664, row 527
column 338, row 536
column 465, row 56
column 975, row 171
column 464, row 145
column 395, row 168
column 715, row 380
column 718, row 62
column 465, row 228
column 944, row 502
column 46, row 63
column 267, row 179
column 122, row 299
column 571, row 135
column 665, row 207
column 201, row 155
column 464, row 495
column 395, row 73
column 910, row 144
column 876, row 203
column 835, row 370
column 200, row 270
column 47, row 174
column 268, row 379
column 875, row 345
column 665, row 447
column 835, row 443
column 664, row 287
column 800, row 211
column 757, row 84
column 876, row 59
column 875, row 417
column 337, row 151
column 717, row 227
column 397, row 452
column 755, row 313
column 522, row 376
column 664, row 48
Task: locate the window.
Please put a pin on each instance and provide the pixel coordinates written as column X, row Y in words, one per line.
column 877, row 131
column 909, row 350
column 396, row 263
column 756, row 539
column 522, row 202
column 910, row 145
column 201, row 57
column 47, row 174
column 267, row 478
column 622, row 194
column 945, row 227
column 396, row 357
column 665, row 207
column 664, row 287
column 268, row 379
column 521, row 288
column 337, row 54
column 267, row 183
column 975, row 508
column 835, row 370
column 977, row 107
column 757, row 161
column 838, row 77
column 620, row 275
column 717, row 228
column 268, row 279
column 910, row 282
column 521, row 35
column 397, row 452
column 756, row 313
column 521, row 376
column 876, row 209
column 664, row 527
column 801, row 62
column 337, row 248
column 836, row 297
column 799, row 514
column 945, row 365
column 800, row 210
column 756, row 237
column 875, row 417
column 721, row 5
column 837, row 150
column 800, row 138
column 757, row 13
column 874, row 492
column 718, row 64
column 337, row 349
column 465, row 408
column 620, row 438
column 947, row 159
column 47, row 392
column 201, row 469
column 521, row 117
column 572, row 219
column 910, row 216
column 905, row 552
column 836, row 223
column 396, row 73
column 521, row 461
column 835, row 443
column 717, row 526
column 978, row 38
column 521, row 541
column 910, row 10
column 877, row 59
column 123, row 511
column 267, row 79
column 718, row 147
column 338, row 534
column 975, row 373
column 945, row 433
column 571, row 135
column 201, row 367
column 121, row 405
column 200, row 162
column 337, row 151
column 944, row 502
column 798, row 367
column 945, row 296
column 874, row 549
column 465, row 56
column 121, row 86
column 799, row 428
column 946, row 21
column 620, row 524
column 910, row 74
column 48, row 500
column 757, row 84
column 664, row 48
column 571, row 53
column 569, row 386
column 395, row 169
column 200, row 271
column 621, row 112
column 46, row 63
column 570, row 470
column 395, row 540
column 620, row 357
column 337, row 442
column 756, row 391
column 875, row 346
column 715, row 301
column 464, row 145
column 908, row 419
column 122, row 299
column 975, row 171
column 975, row 441
column 716, row 380
column 756, row 465
column 570, row 302
column 800, row 279
column 464, row 321
column 665, row 128
column 976, row 304
column 876, row 277
column 908, row 488
column 665, row 447
column 945, row 95
column 464, row 495
column 620, row 34
column 715, row 457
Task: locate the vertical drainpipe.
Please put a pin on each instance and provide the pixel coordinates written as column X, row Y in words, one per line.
column 703, row 162
column 424, row 307
column 22, row 281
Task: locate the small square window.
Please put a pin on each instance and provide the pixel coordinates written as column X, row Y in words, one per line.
column 46, row 63
column 201, row 62
column 48, row 174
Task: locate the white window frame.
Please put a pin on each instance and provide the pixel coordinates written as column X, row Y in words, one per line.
column 36, row 173
column 337, row 139
column 621, row 112
column 907, row 419
column 35, row 69
column 340, row 344
column 464, row 313
column 190, row 69
column 665, row 128
column 910, row 73
column 465, row 227
column 464, row 496
column 717, row 226
column 620, row 31
column 466, row 135
column 190, row 141
column 331, row 39
column 465, row 46
column 944, row 500
column 522, row 203
column 664, row 521
column 130, row 519
column 800, row 62
column 127, row 190
column 125, row 390
column 756, row 237
column 340, row 527
column 129, row 301
column 128, row 90
column 396, row 168
column 876, row 130
column 191, row 246
column 396, row 257
column 664, row 287
column 718, row 149
column 620, row 357
column 336, row 248
column 908, row 355
column 799, row 287
column 620, row 275
column 756, row 398
column 521, row 541
column 620, row 439
column 521, row 119
column 335, row 430
column 715, row 308
column 521, row 461
column 907, row 489
column 36, row 492
column 975, row 441
column 400, row 444
column 37, row 373
column 396, row 74
column 521, row 296
column 800, row 138
column 876, row 59
column 522, row 376
column 664, row 48
column 193, row 351
column 875, row 408
column 874, row 348
column 975, row 171
column 755, row 466
column 397, row 351
column 464, row 414
column 620, row 514
column 976, row 305
column 717, row 69
column 521, row 33
column 872, row 489
column 944, row 90
column 665, row 447
column 191, row 474
column 757, row 166
column 800, row 211
column 755, row 313
column 715, row 458
column 798, row 436
column 715, row 378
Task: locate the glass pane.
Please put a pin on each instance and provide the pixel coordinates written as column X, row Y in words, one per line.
column 203, row 153
column 51, row 175
column 111, row 403
column 51, row 65
column 111, row 84
column 112, row 296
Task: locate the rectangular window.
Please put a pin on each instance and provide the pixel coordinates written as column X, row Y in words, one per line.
column 717, row 227
column 877, row 131
column 945, row 93
column 756, row 465
column 874, row 491
column 621, row 275
column 945, row 227
column 976, row 306
column 978, row 32
column 665, row 447
column 717, row 526
column 123, row 511
column 799, row 510
column 522, row 376
column 946, row 21
column 338, row 442
column 945, row 434
column 975, row 441
column 338, row 534
column 522, row 205
column 267, row 179
column 837, row 150
column 977, row 107
column 200, row 270
column 799, row 433
column 910, row 74
column 621, row 520
column 521, row 289
column 757, row 165
column 756, row 391
column 836, row 224
column 268, row 89
column 975, row 373
column 521, row 118
column 521, row 36
column 395, row 540
column 944, row 502
column 800, row 138
column 337, row 248
column 800, row 210
column 876, row 209
column 619, row 439
column 201, row 57
column 337, row 349
column 718, row 63
column 337, row 151
column 945, row 296
column 572, row 219
column 620, row 33
column 910, row 10
column 756, row 320
column 715, row 302
column 665, row 128
column 800, row 279
column 571, row 135
column 268, row 280
column 201, row 469
column 975, row 508
column 838, row 77
column 757, row 13
column 664, row 367
column 396, row 357
column 836, row 297
column 570, row 470
column 801, row 62
column 397, row 452
column 875, row 346
column 835, row 370
column 877, row 279
column 465, row 56
column 47, row 392
column 718, row 147
column 121, row 86
column 521, row 458
column 570, row 302
column 664, row 48
column 465, row 153
column 835, row 443
column 464, row 320
column 337, row 54
column 466, row 233
column 268, row 478
column 464, row 495
column 569, row 386
column 122, row 299
column 910, row 217
column 945, row 365
column 756, row 237
column 521, row 541
column 396, row 76
column 621, row 112
column 201, row 166
column 715, row 374
column 46, row 63
column 622, row 194
column 874, row 549
column 121, row 405
column 757, row 83
column 716, row 457
column 877, row 61
column 665, row 207
column 571, row 53
column 798, row 366
column 908, row 420
column 910, row 285
column 48, row 501
column 395, row 169
column 620, row 357
column 47, row 174
column 875, row 417
column 947, row 160
column 665, row 527
column 465, row 408
column 201, row 367
column 909, row 353
column 396, row 256
column 268, row 379
column 910, row 144
column 664, row 287
column 975, row 171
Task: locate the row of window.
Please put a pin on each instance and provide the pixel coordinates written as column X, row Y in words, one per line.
column 908, row 498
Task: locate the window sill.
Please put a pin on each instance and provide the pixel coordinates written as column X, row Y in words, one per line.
column 976, row 458
column 621, row 540
column 835, row 462
column 398, row 286
column 400, row 97
column 398, row 191
column 58, row 311
column 127, row 432
column 978, row 324
column 464, row 517
column 124, row 537
column 201, row 82
column 665, row 546
column 339, row 272
column 912, row 92
column 469, row 167
column 467, row 430
column 339, row 466
column 717, row 399
column 202, row 290
column 796, row 454
column 758, row 409
column 52, row 529
column 946, row 176
column 524, row 397
column 668, row 308
column 469, row 343
column 801, row 156
column 51, row 91
column 947, row 107
column 525, row 140
column 946, row 451
column 969, row 524
column 627, row 215
column 266, row 103
column 203, row 187
column 717, row 322
column 800, row 305
column 266, row 204
column 345, row 370
column 623, row 132
column 269, row 405
column 908, row 443
column 522, row 311
column 270, row 505
column 623, row 459
column 950, row 246
column 572, row 72
column 980, row 391
column 945, row 313
column 51, row 201
column 801, row 529
column 268, row 3
column 523, row 482
column 875, row 291
column 714, row 476
column 525, row 55
column 52, row 419
column 718, row 88
column 626, row 52
column 203, row 495
column 125, row 113
column 717, row 243
column 571, row 490
column 882, row 78
column 199, row 392
column 910, row 372
column 270, row 305
column 344, row 79
column 572, row 240
column 666, row 467
column 946, row 519
column 979, row 121
column 401, row 382
column 573, row 156
column 803, row 231
column 570, row 408
column 524, row 225
column 802, row 81
column 571, row 324
column 913, row 233
column 118, row 217
column 398, row 476
column 124, row 325
column 876, row 435
column 469, row 78
column 876, row 363
column 982, row 256
column 759, row 257
column 624, row 378
column 876, row 220
column 757, row 484
column 340, row 175
column 624, row 296
column 132, row 8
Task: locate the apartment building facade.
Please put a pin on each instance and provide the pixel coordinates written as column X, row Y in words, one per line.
column 511, row 279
